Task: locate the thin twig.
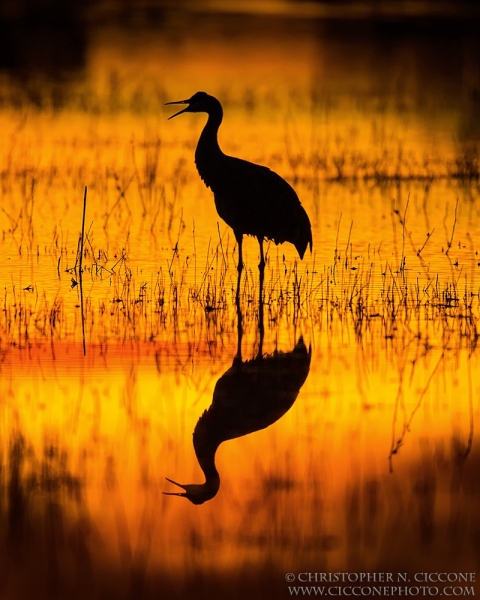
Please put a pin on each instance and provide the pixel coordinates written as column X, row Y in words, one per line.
column 453, row 228
column 80, row 270
column 429, row 235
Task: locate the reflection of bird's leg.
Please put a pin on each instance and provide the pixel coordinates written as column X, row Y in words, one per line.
column 261, row 268
column 239, row 331
column 261, row 327
column 239, row 237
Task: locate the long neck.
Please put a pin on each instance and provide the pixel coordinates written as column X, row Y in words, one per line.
column 206, row 460
column 205, row 442
column 208, row 151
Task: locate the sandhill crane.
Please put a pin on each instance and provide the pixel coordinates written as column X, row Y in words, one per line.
column 250, row 396
column 251, row 199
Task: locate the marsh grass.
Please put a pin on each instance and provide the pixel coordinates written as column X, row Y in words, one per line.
column 372, row 294
column 361, row 292
column 369, row 145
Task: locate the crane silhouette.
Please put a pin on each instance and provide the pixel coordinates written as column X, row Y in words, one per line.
column 250, row 396
column 251, row 199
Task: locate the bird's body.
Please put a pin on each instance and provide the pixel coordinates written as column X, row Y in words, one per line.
column 251, row 199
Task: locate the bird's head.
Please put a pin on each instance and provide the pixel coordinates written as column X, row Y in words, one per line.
column 199, row 102
column 196, row 493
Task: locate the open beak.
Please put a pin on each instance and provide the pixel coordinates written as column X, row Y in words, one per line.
column 176, row 115
column 171, row 480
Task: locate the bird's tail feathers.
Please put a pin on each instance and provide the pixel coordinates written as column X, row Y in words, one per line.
column 303, row 239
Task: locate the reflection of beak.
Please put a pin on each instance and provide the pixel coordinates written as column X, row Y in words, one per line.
column 176, row 115
column 171, row 480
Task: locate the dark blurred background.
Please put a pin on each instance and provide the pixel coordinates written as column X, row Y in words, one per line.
column 52, row 36
column 420, row 54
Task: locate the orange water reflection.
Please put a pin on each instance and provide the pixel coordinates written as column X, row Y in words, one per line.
column 87, row 455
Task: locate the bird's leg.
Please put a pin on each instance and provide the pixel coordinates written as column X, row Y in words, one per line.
column 239, row 238
column 261, row 268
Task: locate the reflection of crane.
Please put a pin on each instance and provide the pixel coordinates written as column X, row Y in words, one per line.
column 251, row 199
column 250, row 396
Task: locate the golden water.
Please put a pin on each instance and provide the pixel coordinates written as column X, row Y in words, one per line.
column 374, row 467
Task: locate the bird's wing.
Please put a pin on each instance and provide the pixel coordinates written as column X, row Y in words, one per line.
column 257, row 201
